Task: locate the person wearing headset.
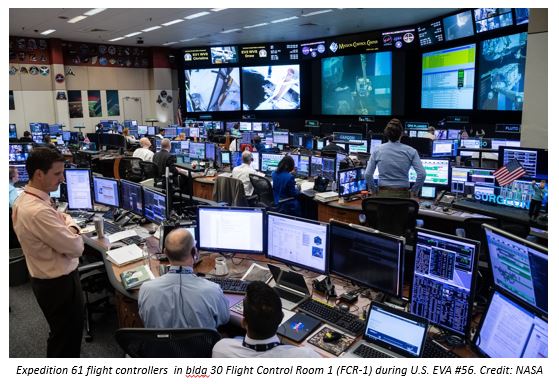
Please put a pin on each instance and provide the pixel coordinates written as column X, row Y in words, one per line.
column 180, row 299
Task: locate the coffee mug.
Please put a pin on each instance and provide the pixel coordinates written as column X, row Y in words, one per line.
column 221, row 266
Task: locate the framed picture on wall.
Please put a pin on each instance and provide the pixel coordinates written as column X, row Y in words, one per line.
column 12, row 104
column 75, row 104
column 113, row 107
column 94, row 103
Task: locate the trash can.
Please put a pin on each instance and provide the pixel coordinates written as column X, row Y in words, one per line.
column 18, row 269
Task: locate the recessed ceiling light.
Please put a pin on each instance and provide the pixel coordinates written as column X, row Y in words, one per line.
column 48, row 32
column 231, row 30
column 317, row 12
column 117, row 39
column 173, row 22
column 170, row 43
column 76, row 19
column 192, row 38
column 151, row 28
column 195, row 15
column 286, row 19
column 133, row 34
column 217, row 9
column 255, row 25
column 94, row 11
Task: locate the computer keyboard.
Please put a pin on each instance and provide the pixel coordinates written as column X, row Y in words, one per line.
column 81, row 215
column 433, row 350
column 111, row 228
column 370, row 353
column 132, row 240
column 337, row 317
column 230, row 285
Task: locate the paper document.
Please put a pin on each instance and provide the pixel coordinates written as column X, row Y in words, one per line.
column 121, row 235
column 125, row 254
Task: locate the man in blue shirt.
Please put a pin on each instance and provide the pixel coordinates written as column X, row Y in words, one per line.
column 394, row 161
column 180, row 299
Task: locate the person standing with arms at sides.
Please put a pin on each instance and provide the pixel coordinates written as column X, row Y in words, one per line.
column 180, row 299
column 52, row 245
column 394, row 161
column 144, row 152
column 262, row 315
column 283, row 182
column 537, row 199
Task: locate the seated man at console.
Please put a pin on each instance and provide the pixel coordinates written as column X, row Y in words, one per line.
column 243, row 171
column 144, row 152
column 262, row 315
column 180, row 299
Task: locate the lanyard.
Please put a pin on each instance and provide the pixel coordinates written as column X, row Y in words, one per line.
column 181, row 271
column 261, row 347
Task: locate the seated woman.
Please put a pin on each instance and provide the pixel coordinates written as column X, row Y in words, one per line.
column 283, row 181
column 129, row 138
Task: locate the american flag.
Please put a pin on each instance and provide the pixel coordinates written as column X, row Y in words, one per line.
column 179, row 113
column 510, row 172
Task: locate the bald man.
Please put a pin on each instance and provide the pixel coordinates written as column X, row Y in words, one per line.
column 180, row 299
column 164, row 158
column 144, row 152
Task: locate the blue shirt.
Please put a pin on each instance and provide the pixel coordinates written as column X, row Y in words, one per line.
column 283, row 186
column 14, row 193
column 394, row 161
column 178, row 300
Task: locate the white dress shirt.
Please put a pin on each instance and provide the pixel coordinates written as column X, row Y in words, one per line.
column 242, row 173
column 235, row 348
column 144, row 154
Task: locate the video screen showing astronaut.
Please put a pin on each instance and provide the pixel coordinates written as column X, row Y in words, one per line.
column 357, row 84
column 214, row 89
column 501, row 67
column 271, row 87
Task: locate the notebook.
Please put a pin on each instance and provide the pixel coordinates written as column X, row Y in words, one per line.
column 391, row 332
column 298, row 327
column 290, row 286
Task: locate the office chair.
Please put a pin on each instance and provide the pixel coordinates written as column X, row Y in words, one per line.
column 231, row 191
column 174, row 343
column 82, row 160
column 392, row 215
column 129, row 169
column 149, row 170
column 263, row 189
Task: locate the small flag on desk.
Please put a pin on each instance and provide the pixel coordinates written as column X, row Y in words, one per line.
column 510, row 172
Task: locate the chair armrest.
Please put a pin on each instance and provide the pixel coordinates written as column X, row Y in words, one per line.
column 91, row 266
column 281, row 201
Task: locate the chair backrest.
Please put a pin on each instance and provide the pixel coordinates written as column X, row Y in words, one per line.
column 177, row 343
column 391, row 215
column 474, row 230
column 149, row 170
column 229, row 190
column 129, row 169
column 262, row 188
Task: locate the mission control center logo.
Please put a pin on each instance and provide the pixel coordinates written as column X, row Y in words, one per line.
column 391, row 38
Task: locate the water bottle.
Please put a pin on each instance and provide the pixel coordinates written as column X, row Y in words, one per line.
column 145, row 254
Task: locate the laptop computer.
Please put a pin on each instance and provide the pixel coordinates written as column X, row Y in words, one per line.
column 290, row 286
column 390, row 332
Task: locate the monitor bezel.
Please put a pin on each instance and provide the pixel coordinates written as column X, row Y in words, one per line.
column 90, row 189
column 123, row 181
column 117, row 191
column 144, row 188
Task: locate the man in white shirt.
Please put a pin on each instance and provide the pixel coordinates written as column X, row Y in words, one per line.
column 144, row 152
column 243, row 171
column 262, row 314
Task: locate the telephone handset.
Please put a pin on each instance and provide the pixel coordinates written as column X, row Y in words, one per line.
column 444, row 199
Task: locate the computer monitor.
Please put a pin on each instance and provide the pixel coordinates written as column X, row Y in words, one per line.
column 151, row 130
column 210, row 151
column 437, row 171
column 179, row 146
column 245, row 126
column 142, row 129
column 319, row 144
column 303, row 166
column 225, row 157
column 519, row 267
column 443, row 280
column 55, row 129
column 78, row 188
column 170, row 132
column 105, row 191
column 257, row 126
column 158, row 144
column 66, row 136
column 453, row 134
column 316, row 166
column 281, row 136
column 428, row 192
column 155, row 205
column 510, row 330
column 54, row 195
column 358, row 148
column 299, row 242
column 13, row 131
column 269, row 162
column 497, row 143
column 197, row 151
column 464, row 180
column 231, row 229
column 194, row 132
column 132, row 197
column 367, row 257
column 18, row 152
column 445, row 148
column 236, row 158
column 533, row 160
column 470, row 143
column 255, row 164
column 351, row 181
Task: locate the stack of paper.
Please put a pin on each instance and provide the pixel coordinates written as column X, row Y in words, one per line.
column 325, row 197
column 124, row 255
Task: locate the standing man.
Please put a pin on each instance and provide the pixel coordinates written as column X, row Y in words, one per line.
column 52, row 245
column 394, row 161
column 537, row 198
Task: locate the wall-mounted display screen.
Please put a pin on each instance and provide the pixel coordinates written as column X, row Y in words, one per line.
column 501, row 71
column 488, row 19
column 224, row 55
column 212, row 90
column 357, row 84
column 447, row 78
column 271, row 87
column 458, row 26
column 522, row 15
column 431, row 33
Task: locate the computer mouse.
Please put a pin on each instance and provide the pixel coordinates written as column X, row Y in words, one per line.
column 445, row 209
column 344, row 307
column 331, row 337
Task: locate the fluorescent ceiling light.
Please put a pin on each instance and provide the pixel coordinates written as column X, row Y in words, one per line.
column 94, row 11
column 255, row 25
column 217, row 9
column 317, row 13
column 76, row 19
column 173, row 22
column 48, row 32
column 286, row 19
column 117, row 39
column 133, row 34
column 170, row 43
column 192, row 38
column 231, row 30
column 195, row 15
column 151, row 28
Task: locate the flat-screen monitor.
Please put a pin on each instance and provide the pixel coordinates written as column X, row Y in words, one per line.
column 510, row 330
column 489, row 19
column 142, row 130
column 464, row 180
column 367, row 257
column 430, row 33
column 66, row 136
column 497, row 143
column 78, row 188
column 533, row 160
column 197, row 151
column 357, row 84
column 55, row 129
column 225, row 157
column 437, row 171
column 231, row 229
column 453, row 134
column 358, row 146
column 236, row 158
column 257, row 126
column 303, row 166
column 447, row 78
column 502, row 63
column 470, row 143
column 170, row 133
column 522, row 15
column 428, row 192
column 316, row 166
column 245, row 126
column 19, row 152
column 445, row 148
column 54, row 195
column 13, row 131
column 224, row 55
column 281, row 137
column 155, row 205
column 519, row 267
column 458, row 26
column 105, row 191
column 131, row 197
column 374, row 144
column 299, row 242
column 271, row 87
column 255, row 164
column 351, row 181
column 193, row 132
column 210, row 151
column 179, row 146
column 212, row 90
column 151, row 130
column 443, row 279
column 269, row 162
